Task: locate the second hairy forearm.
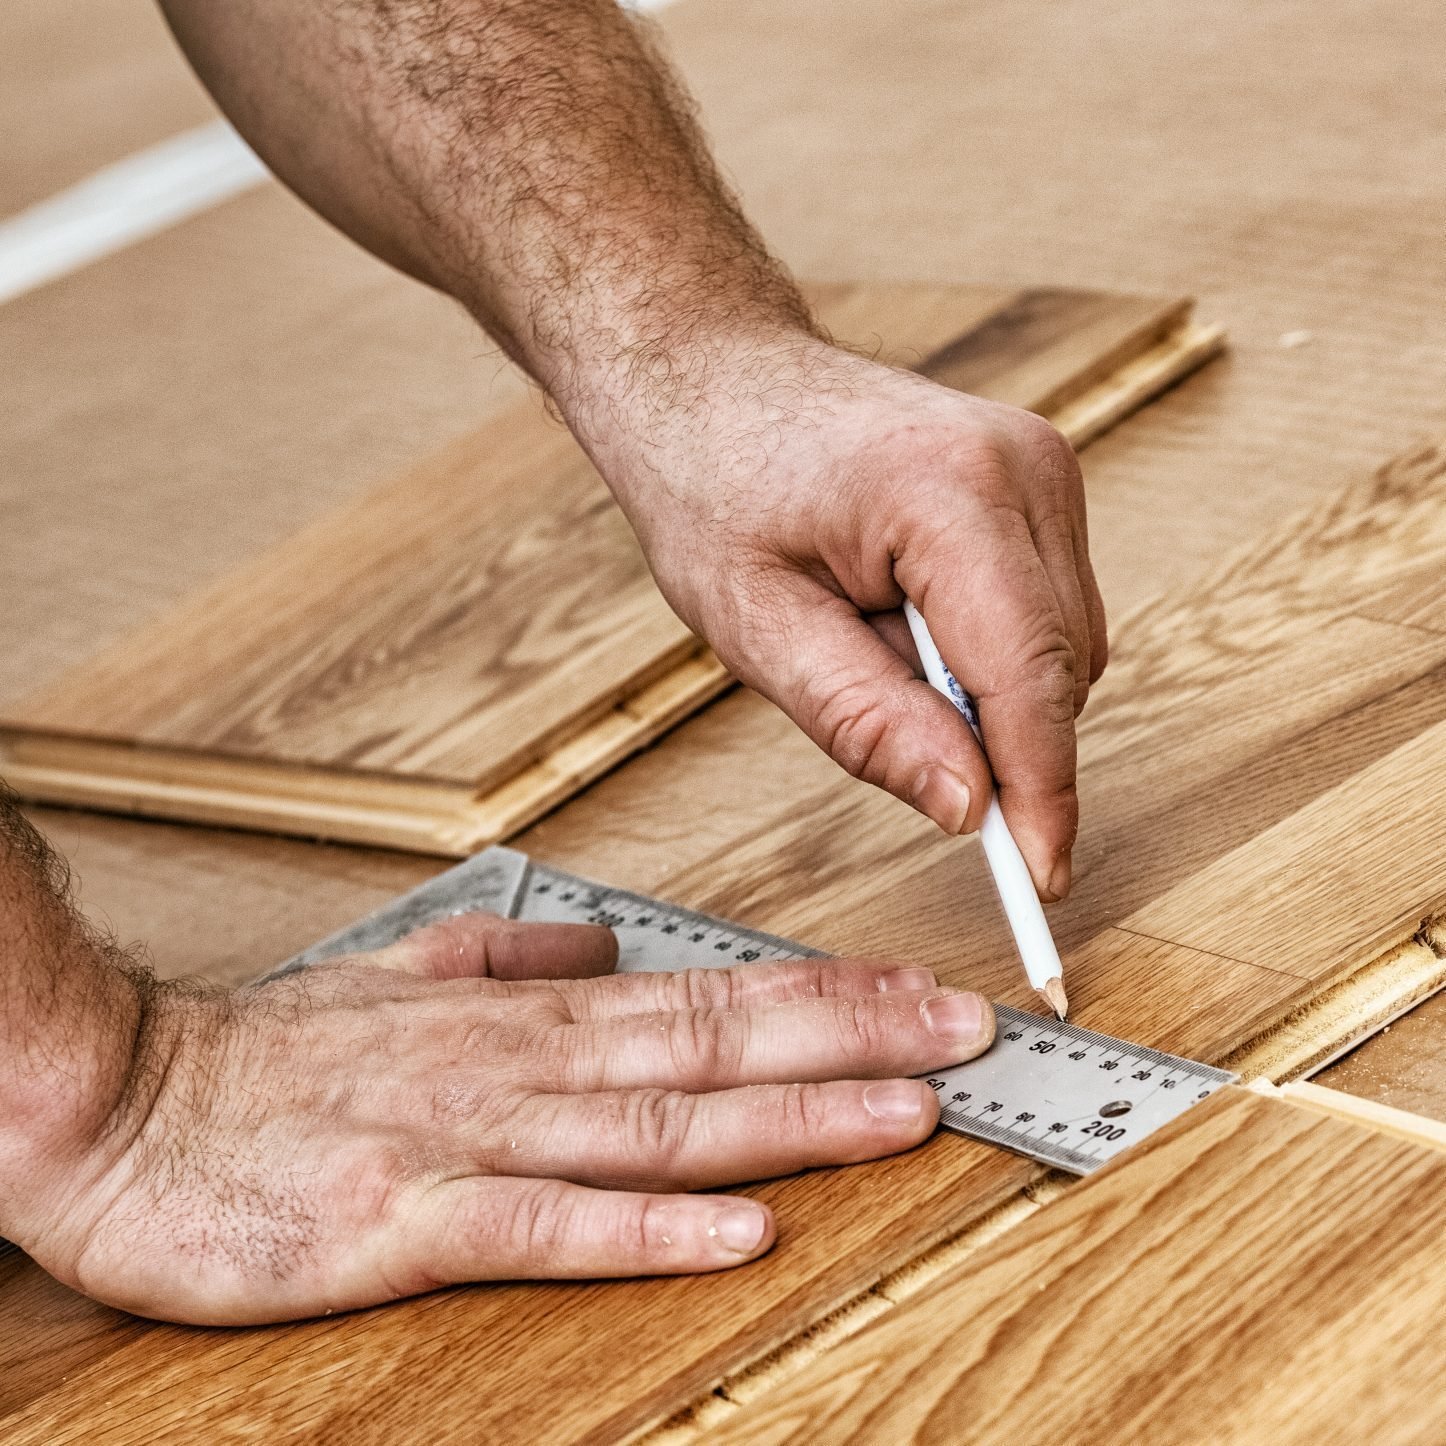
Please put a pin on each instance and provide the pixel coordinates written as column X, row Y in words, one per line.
column 533, row 158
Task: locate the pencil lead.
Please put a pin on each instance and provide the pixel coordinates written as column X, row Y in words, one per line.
column 1054, row 996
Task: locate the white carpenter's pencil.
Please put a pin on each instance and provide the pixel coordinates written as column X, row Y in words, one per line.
column 1011, row 874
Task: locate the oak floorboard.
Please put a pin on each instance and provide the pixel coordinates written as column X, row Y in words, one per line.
column 1254, row 1272
column 1332, row 227
column 1417, row 600
column 1357, row 868
column 431, row 1367
column 181, row 406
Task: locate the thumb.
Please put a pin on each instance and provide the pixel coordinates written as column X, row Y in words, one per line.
column 859, row 700
column 486, row 946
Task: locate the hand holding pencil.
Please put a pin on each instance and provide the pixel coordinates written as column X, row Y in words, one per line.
column 1011, row 874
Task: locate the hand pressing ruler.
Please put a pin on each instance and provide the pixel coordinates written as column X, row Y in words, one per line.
column 1062, row 1095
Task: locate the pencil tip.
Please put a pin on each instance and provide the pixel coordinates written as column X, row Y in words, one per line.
column 1055, row 997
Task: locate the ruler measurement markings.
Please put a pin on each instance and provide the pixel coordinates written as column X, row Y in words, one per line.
column 1054, row 1091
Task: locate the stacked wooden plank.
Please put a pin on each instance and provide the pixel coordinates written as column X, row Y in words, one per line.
column 457, row 650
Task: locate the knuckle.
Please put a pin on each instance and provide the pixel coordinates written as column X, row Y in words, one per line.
column 574, row 1055
column 710, row 988
column 454, row 1101
column 801, row 1112
column 985, row 450
column 1045, row 669
column 375, row 1177
column 861, row 1027
column 706, row 1042
column 814, row 979
column 646, row 1226
column 656, row 1124
column 986, row 462
column 534, row 1223
column 852, row 728
column 1054, row 458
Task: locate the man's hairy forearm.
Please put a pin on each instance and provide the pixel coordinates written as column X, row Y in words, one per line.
column 70, row 1013
column 534, row 158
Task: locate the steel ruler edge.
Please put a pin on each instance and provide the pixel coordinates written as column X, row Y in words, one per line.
column 1065, row 1096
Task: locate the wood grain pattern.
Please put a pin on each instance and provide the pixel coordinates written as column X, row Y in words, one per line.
column 1253, row 1273
column 489, row 613
column 912, row 173
column 1289, row 896
column 452, row 1341
column 177, row 409
column 809, row 854
column 1417, row 600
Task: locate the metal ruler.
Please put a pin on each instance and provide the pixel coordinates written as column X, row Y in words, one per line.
column 1062, row 1095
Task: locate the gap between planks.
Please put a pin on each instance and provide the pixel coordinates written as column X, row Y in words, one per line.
column 449, row 820
column 1275, row 1062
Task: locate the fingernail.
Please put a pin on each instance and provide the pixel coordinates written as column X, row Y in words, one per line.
column 899, row 1100
column 956, row 1017
column 944, row 796
column 908, row 979
column 740, row 1229
column 1059, row 878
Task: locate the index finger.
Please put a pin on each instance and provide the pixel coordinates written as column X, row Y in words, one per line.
column 739, row 986
column 1001, row 633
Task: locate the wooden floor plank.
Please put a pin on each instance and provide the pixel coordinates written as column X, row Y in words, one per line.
column 1415, row 600
column 178, row 408
column 583, row 1382
column 436, row 582
column 1332, row 885
column 907, row 172
column 1255, row 1272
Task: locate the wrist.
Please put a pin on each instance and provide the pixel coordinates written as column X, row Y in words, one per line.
column 684, row 407
column 61, row 1092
